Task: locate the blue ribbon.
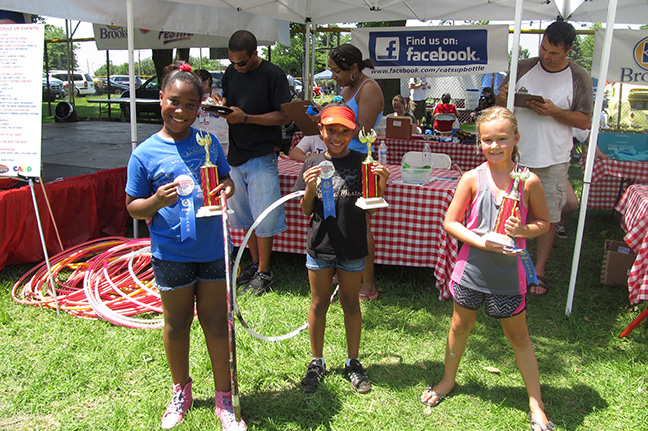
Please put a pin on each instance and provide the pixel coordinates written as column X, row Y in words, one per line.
column 527, row 263
column 327, row 197
column 187, row 218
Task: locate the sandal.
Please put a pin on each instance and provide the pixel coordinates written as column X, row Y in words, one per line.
column 370, row 297
column 535, row 425
column 440, row 397
column 542, row 283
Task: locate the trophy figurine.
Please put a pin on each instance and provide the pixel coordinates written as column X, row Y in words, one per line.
column 507, row 208
column 369, row 199
column 209, row 180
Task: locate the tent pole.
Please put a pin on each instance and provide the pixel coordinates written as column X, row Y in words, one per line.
column 591, row 151
column 306, row 82
column 515, row 53
column 131, row 84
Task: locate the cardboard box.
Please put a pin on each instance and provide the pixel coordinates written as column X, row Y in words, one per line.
column 617, row 261
column 399, row 128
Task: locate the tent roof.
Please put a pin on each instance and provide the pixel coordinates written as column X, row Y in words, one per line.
column 160, row 15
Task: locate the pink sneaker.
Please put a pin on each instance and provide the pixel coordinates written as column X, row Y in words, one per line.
column 178, row 406
column 225, row 412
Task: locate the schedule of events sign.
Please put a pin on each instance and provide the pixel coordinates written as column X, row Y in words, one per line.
column 21, row 69
column 403, row 52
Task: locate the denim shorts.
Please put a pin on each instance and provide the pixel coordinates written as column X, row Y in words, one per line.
column 351, row 265
column 176, row 275
column 256, row 188
column 498, row 306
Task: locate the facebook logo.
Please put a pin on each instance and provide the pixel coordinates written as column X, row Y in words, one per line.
column 387, row 48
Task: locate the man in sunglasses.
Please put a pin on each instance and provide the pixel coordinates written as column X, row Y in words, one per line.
column 255, row 89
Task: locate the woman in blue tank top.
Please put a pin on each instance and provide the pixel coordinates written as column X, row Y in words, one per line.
column 361, row 93
column 364, row 96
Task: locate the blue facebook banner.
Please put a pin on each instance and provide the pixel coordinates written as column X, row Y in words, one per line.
column 429, row 48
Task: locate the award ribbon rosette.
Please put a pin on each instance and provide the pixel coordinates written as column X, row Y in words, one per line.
column 326, row 185
column 369, row 199
column 507, row 208
column 187, row 213
column 208, row 179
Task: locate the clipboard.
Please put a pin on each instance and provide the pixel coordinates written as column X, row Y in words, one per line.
column 296, row 111
column 522, row 98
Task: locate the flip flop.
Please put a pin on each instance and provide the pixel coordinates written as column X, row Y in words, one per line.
column 535, row 425
column 372, row 296
column 542, row 283
column 440, row 397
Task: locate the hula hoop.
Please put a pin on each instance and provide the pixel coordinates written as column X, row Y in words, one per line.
column 237, row 262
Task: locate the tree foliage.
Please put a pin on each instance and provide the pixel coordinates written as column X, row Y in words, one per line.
column 57, row 54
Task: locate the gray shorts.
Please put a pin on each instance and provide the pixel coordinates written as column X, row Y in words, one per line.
column 554, row 181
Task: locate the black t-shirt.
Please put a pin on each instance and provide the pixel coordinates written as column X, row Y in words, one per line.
column 342, row 237
column 259, row 91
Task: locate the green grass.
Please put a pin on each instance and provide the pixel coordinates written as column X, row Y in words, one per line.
column 65, row 373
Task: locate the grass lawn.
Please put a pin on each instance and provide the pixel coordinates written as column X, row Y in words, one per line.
column 65, row 373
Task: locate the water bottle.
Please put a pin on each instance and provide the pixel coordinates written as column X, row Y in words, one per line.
column 427, row 155
column 382, row 153
column 455, row 128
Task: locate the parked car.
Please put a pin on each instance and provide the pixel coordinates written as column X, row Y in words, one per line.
column 115, row 87
column 83, row 83
column 56, row 89
column 217, row 78
column 123, row 79
column 150, row 89
column 634, row 107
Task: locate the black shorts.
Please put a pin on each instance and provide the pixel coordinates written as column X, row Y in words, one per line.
column 498, row 306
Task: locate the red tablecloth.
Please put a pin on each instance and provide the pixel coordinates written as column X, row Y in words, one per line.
column 606, row 180
column 84, row 207
column 634, row 208
column 409, row 232
column 464, row 155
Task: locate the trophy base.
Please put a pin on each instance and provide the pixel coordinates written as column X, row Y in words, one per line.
column 211, row 211
column 371, row 203
column 498, row 238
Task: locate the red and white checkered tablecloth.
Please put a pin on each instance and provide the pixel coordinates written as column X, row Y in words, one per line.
column 634, row 208
column 606, row 180
column 464, row 155
column 409, row 232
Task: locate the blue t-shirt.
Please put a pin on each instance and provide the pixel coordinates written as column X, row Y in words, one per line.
column 156, row 162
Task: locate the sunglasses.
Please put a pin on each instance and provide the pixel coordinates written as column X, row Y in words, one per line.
column 241, row 63
column 336, row 56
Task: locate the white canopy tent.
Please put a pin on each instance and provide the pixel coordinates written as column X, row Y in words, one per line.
column 203, row 16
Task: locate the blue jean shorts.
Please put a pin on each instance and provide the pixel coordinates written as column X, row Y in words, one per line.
column 350, row 265
column 498, row 306
column 257, row 187
column 176, row 275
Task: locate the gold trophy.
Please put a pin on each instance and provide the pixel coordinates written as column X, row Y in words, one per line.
column 507, row 208
column 369, row 199
column 208, row 179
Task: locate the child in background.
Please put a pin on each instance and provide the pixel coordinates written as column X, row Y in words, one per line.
column 308, row 146
column 489, row 273
column 445, row 107
column 336, row 242
column 188, row 262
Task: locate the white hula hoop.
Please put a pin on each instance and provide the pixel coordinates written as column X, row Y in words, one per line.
column 237, row 262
